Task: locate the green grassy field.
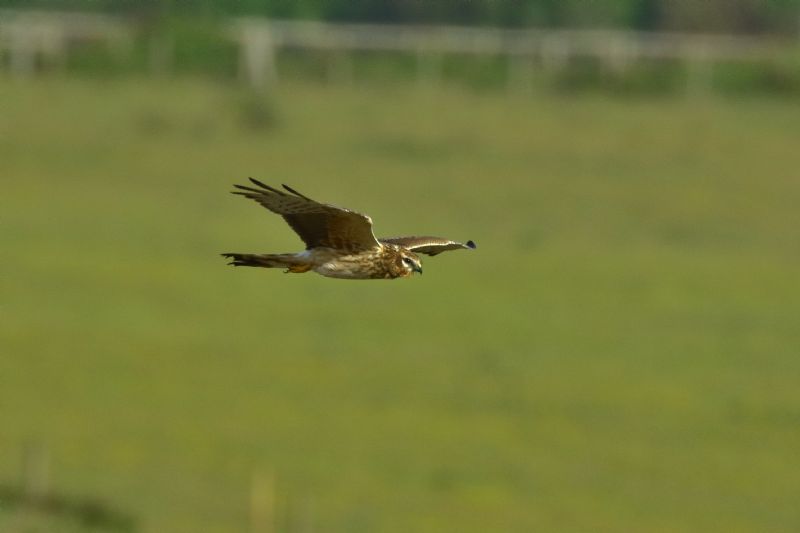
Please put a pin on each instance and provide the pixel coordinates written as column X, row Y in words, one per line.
column 619, row 354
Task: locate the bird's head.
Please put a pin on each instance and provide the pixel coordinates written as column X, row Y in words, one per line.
column 408, row 263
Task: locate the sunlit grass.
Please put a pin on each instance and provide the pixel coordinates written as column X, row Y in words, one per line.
column 619, row 354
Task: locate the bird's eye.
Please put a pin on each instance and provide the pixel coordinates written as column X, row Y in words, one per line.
column 408, row 261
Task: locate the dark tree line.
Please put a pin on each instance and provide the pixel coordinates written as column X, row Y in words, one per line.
column 739, row 16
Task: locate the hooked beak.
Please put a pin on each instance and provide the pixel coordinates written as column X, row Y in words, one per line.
column 418, row 268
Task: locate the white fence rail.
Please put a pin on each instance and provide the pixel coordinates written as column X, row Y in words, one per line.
column 259, row 39
column 31, row 38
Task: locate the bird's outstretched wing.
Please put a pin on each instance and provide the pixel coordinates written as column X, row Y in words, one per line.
column 317, row 224
column 429, row 245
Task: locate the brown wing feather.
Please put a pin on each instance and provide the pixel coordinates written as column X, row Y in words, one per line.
column 317, row 224
column 428, row 245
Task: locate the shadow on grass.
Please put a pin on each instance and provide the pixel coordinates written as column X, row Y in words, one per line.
column 90, row 513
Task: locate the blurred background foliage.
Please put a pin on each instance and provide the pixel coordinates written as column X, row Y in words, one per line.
column 735, row 16
column 619, row 354
column 196, row 41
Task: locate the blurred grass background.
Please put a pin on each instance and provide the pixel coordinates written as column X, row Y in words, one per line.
column 619, row 354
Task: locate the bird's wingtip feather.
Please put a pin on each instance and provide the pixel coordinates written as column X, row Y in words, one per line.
column 303, row 196
column 471, row 244
column 255, row 181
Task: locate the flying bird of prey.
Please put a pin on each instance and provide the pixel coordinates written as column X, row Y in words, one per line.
column 339, row 242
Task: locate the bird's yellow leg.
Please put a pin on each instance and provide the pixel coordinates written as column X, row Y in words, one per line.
column 298, row 269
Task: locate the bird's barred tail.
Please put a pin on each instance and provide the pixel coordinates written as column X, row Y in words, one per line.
column 263, row 260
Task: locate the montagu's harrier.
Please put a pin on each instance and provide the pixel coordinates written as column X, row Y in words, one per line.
column 339, row 242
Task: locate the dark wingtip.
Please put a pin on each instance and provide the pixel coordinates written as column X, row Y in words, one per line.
column 471, row 244
column 266, row 187
column 303, row 196
column 255, row 181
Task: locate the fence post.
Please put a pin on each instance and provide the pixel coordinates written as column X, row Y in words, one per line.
column 160, row 54
column 555, row 52
column 257, row 56
column 520, row 73
column 429, row 67
column 22, row 45
column 620, row 52
column 699, row 70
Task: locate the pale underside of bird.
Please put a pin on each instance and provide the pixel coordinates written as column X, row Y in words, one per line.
column 339, row 242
